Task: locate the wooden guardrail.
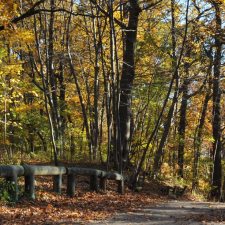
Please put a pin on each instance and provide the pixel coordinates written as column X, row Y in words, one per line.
column 97, row 177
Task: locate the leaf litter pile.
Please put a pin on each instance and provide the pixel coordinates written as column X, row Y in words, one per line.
column 51, row 208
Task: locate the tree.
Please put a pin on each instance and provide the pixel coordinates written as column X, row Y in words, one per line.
column 217, row 148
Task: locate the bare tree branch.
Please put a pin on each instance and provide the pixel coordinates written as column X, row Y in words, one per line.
column 28, row 13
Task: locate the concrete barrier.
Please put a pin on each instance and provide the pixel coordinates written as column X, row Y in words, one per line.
column 11, row 173
column 72, row 172
column 98, row 178
column 112, row 176
column 31, row 171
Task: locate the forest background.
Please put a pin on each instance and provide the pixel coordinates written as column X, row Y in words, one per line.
column 135, row 85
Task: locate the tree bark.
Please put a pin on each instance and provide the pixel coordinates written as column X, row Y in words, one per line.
column 175, row 66
column 197, row 142
column 182, row 127
column 126, row 82
column 217, row 148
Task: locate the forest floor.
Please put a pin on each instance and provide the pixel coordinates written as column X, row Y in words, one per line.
column 145, row 207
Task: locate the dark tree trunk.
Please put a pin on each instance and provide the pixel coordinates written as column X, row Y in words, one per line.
column 217, row 168
column 160, row 151
column 175, row 65
column 78, row 89
column 182, row 126
column 126, row 82
column 62, row 106
column 197, row 142
column 44, row 143
column 97, row 44
column 52, row 77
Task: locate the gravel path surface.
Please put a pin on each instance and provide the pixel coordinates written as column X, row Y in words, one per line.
column 172, row 212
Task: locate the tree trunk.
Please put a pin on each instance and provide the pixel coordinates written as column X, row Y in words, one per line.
column 182, row 126
column 197, row 142
column 217, row 168
column 75, row 77
column 175, row 65
column 126, row 82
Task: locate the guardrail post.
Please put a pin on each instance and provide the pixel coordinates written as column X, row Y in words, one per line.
column 11, row 174
column 57, row 183
column 13, row 188
column 94, row 183
column 30, row 186
column 71, row 184
column 103, row 183
column 120, row 188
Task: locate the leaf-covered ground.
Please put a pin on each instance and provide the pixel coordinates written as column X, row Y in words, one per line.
column 49, row 208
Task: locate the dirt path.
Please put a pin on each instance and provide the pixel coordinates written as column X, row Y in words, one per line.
column 172, row 212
